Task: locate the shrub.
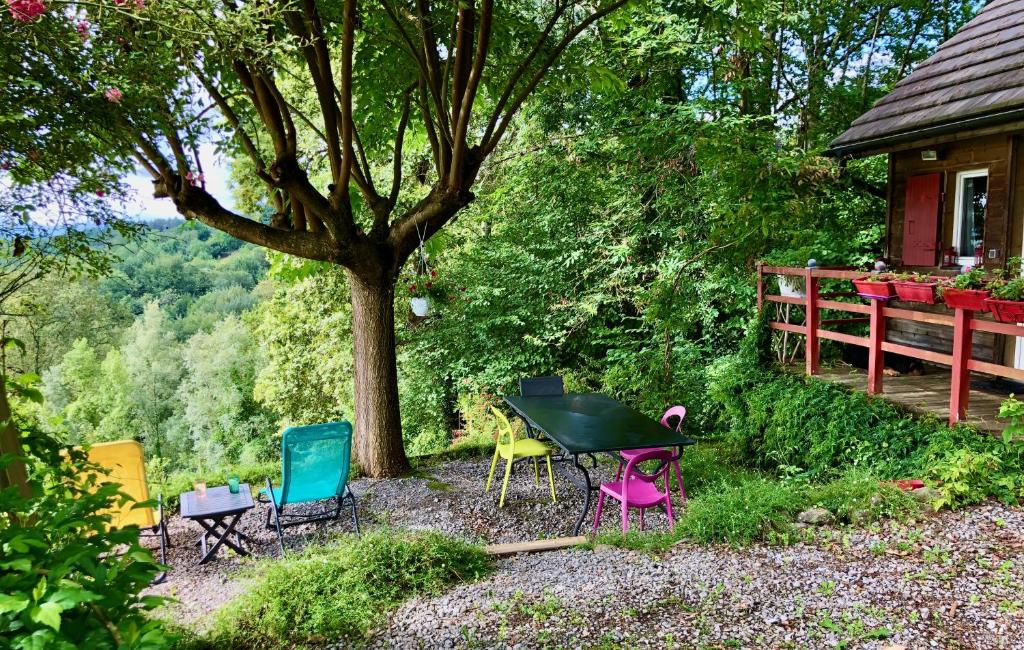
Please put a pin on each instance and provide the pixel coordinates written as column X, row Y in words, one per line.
column 819, row 430
column 343, row 589
column 742, row 513
column 862, row 492
column 65, row 579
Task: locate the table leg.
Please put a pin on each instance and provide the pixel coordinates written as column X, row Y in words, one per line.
column 222, row 536
column 587, row 489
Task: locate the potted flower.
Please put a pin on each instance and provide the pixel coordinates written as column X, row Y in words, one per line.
column 965, row 291
column 1007, row 301
column 877, row 286
column 426, row 290
column 916, row 287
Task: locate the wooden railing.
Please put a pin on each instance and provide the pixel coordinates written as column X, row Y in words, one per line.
column 876, row 313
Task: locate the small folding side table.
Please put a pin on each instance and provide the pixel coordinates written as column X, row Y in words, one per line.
column 218, row 512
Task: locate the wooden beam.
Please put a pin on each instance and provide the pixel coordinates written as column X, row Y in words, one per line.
column 960, row 386
column 789, row 300
column 1007, row 329
column 918, row 353
column 788, row 327
column 876, row 360
column 812, row 347
column 996, row 369
column 845, row 321
column 919, row 316
column 852, row 307
column 535, row 546
column 844, row 338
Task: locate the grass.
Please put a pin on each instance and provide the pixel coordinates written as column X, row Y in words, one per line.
column 339, row 591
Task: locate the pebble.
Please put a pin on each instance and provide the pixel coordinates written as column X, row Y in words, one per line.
column 891, row 586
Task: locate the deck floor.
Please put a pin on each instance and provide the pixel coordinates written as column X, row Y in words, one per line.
column 928, row 393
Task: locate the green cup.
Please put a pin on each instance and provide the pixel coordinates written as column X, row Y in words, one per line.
column 233, row 482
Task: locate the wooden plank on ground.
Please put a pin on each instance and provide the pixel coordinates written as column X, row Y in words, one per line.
column 535, row 546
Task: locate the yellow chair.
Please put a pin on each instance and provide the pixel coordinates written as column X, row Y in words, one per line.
column 511, row 450
column 124, row 462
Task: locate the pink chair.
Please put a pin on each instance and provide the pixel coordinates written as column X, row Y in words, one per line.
column 628, row 454
column 637, row 489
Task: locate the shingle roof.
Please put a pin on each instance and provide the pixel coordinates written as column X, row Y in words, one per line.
column 975, row 78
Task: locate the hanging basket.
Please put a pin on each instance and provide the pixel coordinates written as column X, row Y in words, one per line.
column 791, row 287
column 1006, row 311
column 916, row 291
column 970, row 299
column 420, row 306
column 874, row 290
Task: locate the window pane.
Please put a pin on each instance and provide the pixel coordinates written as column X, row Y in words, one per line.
column 972, row 218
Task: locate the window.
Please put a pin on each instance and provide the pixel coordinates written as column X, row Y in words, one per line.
column 969, row 215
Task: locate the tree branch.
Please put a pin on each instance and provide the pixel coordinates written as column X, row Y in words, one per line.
column 489, row 145
column 472, row 82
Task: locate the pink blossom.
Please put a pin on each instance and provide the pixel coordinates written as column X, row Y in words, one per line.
column 82, row 27
column 25, row 11
column 113, row 95
column 100, row 193
column 140, row 4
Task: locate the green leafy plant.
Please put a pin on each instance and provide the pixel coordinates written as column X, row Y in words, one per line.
column 973, row 279
column 66, row 580
column 742, row 513
column 880, row 277
column 342, row 589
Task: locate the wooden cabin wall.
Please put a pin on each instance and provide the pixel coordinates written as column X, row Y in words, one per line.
column 1001, row 154
column 991, row 152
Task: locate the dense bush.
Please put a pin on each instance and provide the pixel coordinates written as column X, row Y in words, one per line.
column 816, row 429
column 341, row 590
column 742, row 513
column 66, row 580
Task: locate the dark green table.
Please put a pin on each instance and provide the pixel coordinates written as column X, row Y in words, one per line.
column 588, row 424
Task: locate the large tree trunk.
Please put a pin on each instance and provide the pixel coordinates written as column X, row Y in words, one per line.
column 10, row 443
column 378, row 440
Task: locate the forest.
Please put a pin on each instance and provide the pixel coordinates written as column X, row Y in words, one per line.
column 591, row 203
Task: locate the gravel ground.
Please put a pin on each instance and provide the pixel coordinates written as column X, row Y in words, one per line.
column 950, row 581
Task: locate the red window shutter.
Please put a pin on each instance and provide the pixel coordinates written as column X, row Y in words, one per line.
column 921, row 220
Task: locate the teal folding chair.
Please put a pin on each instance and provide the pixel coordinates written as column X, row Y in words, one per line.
column 314, row 467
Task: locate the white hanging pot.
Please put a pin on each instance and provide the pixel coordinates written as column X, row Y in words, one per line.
column 420, row 306
column 792, row 287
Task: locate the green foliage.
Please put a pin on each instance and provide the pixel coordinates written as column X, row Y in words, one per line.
column 860, row 494
column 172, row 484
column 65, row 579
column 742, row 513
column 305, row 332
column 819, row 430
column 343, row 589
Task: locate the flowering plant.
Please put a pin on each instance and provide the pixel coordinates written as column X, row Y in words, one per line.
column 429, row 285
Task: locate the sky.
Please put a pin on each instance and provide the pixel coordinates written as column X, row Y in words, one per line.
column 142, row 206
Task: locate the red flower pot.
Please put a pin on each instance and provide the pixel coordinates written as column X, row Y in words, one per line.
column 972, row 299
column 916, row 291
column 1006, row 311
column 874, row 290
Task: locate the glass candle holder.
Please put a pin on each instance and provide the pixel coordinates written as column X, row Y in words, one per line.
column 200, row 488
column 233, row 483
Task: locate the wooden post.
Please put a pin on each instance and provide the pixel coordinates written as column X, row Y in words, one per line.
column 10, row 443
column 876, row 357
column 760, row 288
column 960, row 387
column 811, row 320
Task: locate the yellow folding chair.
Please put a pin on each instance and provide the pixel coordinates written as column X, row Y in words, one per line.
column 124, row 462
column 511, row 450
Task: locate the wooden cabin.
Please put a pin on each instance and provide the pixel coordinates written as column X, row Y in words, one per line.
column 954, row 134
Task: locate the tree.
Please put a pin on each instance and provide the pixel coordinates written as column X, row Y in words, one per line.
column 153, row 361
column 309, row 93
